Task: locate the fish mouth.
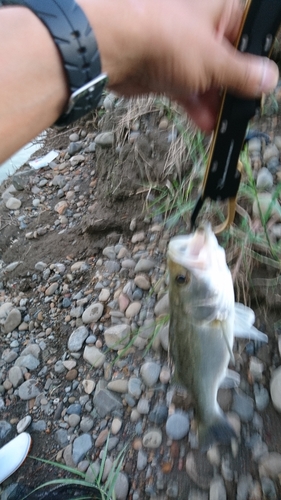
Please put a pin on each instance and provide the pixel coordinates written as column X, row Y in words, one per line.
column 193, row 251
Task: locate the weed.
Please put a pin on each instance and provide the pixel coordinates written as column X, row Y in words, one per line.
column 97, row 490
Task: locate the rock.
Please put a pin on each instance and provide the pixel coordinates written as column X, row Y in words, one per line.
column 159, row 414
column 117, row 337
column 270, row 151
column 23, row 424
column 144, row 265
column 12, row 321
column 152, row 438
column 105, row 139
column 61, row 207
column 121, row 487
column 264, row 180
column 93, row 356
column 5, row 429
column 142, row 281
column 133, row 309
column 13, row 203
column 138, row 237
column 29, row 361
column 77, row 339
column 266, row 204
column 81, row 446
column 88, row 386
column 116, row 425
column 243, row 405
column 177, row 425
column 118, row 385
column 109, row 252
column 217, row 489
column 150, row 373
column 104, row 295
column 106, row 402
column 29, row 390
column 254, row 145
column 134, row 387
column 275, row 388
column 141, row 460
column 93, row 313
column 15, row 376
column 270, row 465
column 163, row 306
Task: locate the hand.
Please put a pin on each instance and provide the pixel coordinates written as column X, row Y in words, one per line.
column 183, row 48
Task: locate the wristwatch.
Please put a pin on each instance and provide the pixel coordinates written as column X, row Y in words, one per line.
column 75, row 40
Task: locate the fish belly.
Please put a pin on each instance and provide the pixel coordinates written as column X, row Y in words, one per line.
column 201, row 358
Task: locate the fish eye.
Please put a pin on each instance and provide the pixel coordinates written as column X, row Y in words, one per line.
column 181, row 279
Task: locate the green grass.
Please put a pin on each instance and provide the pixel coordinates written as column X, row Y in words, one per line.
column 103, row 490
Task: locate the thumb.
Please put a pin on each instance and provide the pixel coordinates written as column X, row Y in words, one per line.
column 247, row 74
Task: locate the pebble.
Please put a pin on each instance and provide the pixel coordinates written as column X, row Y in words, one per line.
column 63, row 322
column 150, row 373
column 275, row 388
column 13, row 203
column 152, row 438
column 177, row 425
column 93, row 313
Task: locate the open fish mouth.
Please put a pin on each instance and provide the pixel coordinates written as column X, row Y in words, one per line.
column 194, row 251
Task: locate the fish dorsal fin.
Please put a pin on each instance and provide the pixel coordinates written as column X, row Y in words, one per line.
column 229, row 347
column 243, row 324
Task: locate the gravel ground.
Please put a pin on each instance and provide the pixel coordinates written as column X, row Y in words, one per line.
column 84, row 277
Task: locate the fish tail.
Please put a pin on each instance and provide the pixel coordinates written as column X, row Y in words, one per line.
column 220, row 432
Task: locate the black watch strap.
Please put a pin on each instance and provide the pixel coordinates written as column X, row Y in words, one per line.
column 75, row 40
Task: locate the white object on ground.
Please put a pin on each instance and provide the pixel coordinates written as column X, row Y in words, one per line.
column 44, row 161
column 13, row 454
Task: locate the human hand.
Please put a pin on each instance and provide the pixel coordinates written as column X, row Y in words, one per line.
column 182, row 48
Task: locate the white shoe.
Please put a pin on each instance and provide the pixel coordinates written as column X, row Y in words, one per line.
column 13, row 454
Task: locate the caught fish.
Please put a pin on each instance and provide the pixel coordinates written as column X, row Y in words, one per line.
column 204, row 319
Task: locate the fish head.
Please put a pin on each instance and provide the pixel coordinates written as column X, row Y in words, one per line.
column 198, row 261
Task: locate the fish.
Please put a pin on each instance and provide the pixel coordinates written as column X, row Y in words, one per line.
column 204, row 319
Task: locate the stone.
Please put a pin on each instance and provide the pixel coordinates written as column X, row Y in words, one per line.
column 29, row 361
column 152, row 438
column 93, row 313
column 88, row 386
column 118, row 385
column 104, row 295
column 93, row 356
column 267, row 207
column 77, row 338
column 270, row 465
column 141, row 460
column 105, row 139
column 144, row 265
column 121, row 487
column 116, row 425
column 264, row 180
column 134, row 387
column 270, row 151
column 106, row 402
column 142, row 281
column 12, row 321
column 243, row 405
column 275, row 388
column 5, row 429
column 15, row 376
column 133, row 309
column 162, row 306
column 117, row 337
column 23, row 424
column 81, row 445
column 150, row 373
column 177, row 425
column 29, row 390
column 61, row 207
column 13, row 203
column 217, row 489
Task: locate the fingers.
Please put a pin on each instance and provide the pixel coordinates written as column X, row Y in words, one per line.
column 246, row 74
column 203, row 109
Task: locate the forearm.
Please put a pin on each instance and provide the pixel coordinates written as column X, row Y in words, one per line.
column 34, row 89
column 33, row 86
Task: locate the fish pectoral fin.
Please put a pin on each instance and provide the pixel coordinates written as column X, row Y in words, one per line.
column 229, row 348
column 243, row 324
column 231, row 380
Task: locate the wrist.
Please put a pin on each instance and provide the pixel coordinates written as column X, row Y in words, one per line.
column 119, row 37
